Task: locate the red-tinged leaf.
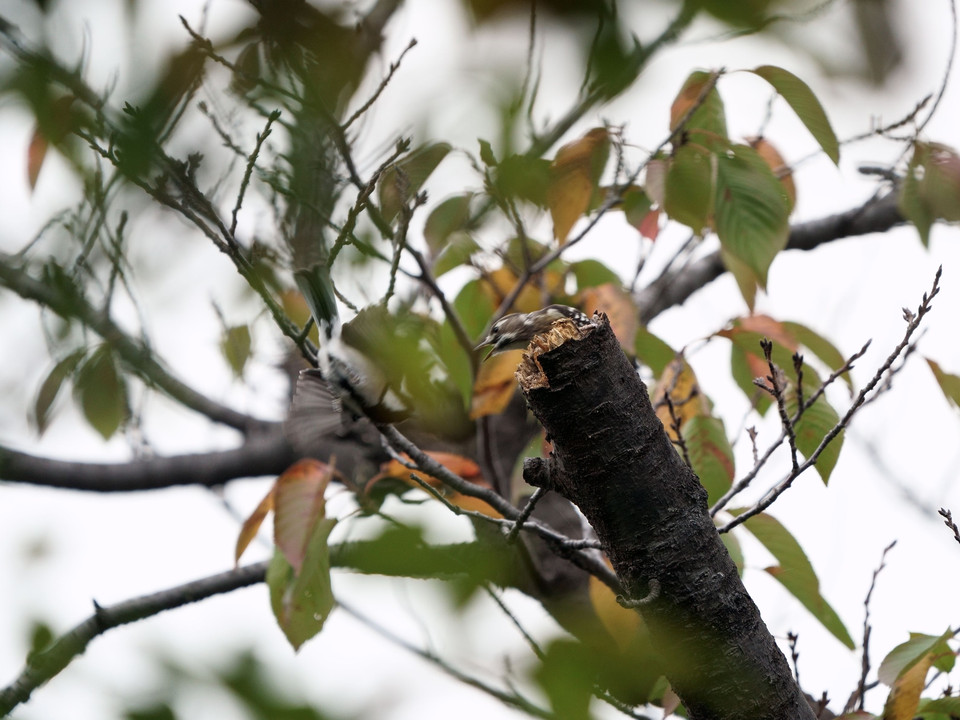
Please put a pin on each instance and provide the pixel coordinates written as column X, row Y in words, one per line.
column 689, row 187
column 250, row 527
column 705, row 108
column 612, row 300
column 778, row 166
column 904, row 697
column 810, row 430
column 298, row 506
column 649, row 227
column 907, row 654
column 102, row 393
column 949, row 383
column 401, row 181
column 710, row 454
column 796, row 573
column 51, row 388
column 574, row 179
column 302, row 601
column 36, row 153
column 805, row 104
column 751, row 210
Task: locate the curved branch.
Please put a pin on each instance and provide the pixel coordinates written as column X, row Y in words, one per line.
column 43, row 665
column 267, row 454
column 875, row 215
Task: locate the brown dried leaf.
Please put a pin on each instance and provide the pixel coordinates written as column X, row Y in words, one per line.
column 619, row 308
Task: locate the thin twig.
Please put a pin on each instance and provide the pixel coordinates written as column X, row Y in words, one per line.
column 251, row 164
column 948, row 521
column 913, row 322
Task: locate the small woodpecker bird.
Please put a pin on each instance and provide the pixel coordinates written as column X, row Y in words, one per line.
column 514, row 332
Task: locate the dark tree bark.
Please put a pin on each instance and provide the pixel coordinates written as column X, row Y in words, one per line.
column 612, row 458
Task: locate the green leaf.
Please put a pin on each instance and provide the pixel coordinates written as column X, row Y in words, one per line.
column 710, row 454
column 445, row 219
column 945, row 707
column 50, row 388
column 735, row 551
column 805, row 104
column 526, row 178
column 459, row 248
column 593, row 273
column 301, row 603
column 689, row 187
column 818, row 419
column 401, row 181
column 101, row 392
column 652, row 351
column 909, row 653
column 822, row 348
column 486, row 154
column 751, row 209
column 796, row 573
column 235, row 347
column 565, row 676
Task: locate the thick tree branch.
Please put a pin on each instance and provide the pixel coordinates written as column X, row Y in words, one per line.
column 612, row 458
column 876, row 215
column 43, row 665
column 262, row 454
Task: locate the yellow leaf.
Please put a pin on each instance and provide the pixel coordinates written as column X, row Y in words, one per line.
column 248, row 531
column 621, row 623
column 679, row 382
column 905, row 694
column 574, row 177
column 495, row 385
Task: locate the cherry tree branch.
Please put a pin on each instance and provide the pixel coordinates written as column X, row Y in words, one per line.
column 43, row 665
column 875, row 215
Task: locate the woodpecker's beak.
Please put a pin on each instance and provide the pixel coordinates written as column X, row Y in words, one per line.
column 493, row 348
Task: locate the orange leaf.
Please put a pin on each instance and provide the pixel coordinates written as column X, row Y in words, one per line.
column 495, row 385
column 248, row 531
column 574, row 177
column 36, row 153
column 499, row 283
column 298, row 505
column 468, row 502
column 457, row 464
column 621, row 311
column 772, row 157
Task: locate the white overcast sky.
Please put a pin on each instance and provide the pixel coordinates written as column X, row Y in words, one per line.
column 60, row 550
